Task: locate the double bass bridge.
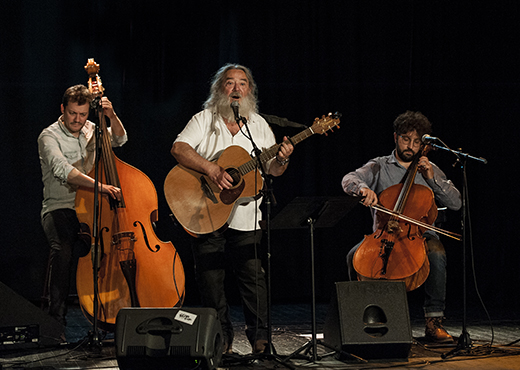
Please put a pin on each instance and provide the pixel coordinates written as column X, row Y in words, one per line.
column 121, row 237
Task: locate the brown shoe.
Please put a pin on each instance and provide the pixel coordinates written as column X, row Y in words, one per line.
column 435, row 332
column 260, row 346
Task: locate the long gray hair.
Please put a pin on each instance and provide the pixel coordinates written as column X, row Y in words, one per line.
column 218, row 82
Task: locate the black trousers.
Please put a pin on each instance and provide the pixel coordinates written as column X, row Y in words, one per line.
column 61, row 228
column 239, row 249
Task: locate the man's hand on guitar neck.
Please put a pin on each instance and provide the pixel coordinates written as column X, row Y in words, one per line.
column 279, row 165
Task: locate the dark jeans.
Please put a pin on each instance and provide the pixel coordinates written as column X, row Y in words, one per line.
column 61, row 228
column 435, row 284
column 212, row 255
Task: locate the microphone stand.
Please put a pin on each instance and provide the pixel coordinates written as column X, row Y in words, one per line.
column 269, row 353
column 464, row 342
column 94, row 341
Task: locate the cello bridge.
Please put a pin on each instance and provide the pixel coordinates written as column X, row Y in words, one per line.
column 393, row 227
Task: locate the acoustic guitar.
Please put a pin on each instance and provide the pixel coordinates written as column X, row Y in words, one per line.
column 201, row 207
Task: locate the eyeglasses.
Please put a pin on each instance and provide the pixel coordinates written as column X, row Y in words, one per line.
column 408, row 139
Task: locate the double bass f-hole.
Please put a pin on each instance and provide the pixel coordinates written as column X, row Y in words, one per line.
column 157, row 246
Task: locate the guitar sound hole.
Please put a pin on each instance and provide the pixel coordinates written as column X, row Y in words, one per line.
column 235, row 175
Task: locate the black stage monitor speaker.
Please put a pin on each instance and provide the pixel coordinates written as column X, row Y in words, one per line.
column 168, row 338
column 369, row 319
column 23, row 325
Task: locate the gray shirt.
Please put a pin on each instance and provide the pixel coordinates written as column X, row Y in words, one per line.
column 60, row 152
column 382, row 172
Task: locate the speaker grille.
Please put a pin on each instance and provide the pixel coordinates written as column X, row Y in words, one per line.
column 180, row 351
column 136, row 350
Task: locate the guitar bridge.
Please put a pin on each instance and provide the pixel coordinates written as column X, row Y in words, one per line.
column 206, row 189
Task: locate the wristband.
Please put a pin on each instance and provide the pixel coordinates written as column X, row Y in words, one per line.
column 282, row 163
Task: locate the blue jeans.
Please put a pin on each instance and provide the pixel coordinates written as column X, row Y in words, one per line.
column 212, row 254
column 61, row 228
column 435, row 284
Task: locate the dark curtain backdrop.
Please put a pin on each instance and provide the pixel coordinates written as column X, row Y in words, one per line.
column 456, row 61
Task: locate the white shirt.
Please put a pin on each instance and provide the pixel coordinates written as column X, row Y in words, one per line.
column 208, row 134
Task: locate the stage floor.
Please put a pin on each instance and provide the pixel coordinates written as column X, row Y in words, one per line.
column 493, row 347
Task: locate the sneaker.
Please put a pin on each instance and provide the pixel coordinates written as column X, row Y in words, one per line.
column 435, row 332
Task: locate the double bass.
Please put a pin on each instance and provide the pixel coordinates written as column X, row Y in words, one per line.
column 134, row 268
column 397, row 249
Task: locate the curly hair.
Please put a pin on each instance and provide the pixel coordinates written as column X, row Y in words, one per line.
column 77, row 94
column 410, row 121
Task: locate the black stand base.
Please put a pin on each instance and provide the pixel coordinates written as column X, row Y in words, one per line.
column 233, row 360
column 462, row 348
column 310, row 354
column 93, row 343
column 273, row 357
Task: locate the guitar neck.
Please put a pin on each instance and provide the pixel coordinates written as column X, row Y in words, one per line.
column 270, row 153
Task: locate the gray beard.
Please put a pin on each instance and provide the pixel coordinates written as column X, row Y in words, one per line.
column 247, row 107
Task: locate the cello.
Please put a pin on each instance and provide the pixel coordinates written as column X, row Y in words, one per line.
column 134, row 268
column 397, row 249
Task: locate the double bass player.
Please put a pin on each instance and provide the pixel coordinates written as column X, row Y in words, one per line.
column 379, row 174
column 66, row 151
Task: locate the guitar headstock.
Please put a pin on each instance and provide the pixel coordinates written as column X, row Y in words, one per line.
column 325, row 123
column 94, row 82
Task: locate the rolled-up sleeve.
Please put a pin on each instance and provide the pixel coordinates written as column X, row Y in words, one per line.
column 445, row 192
column 51, row 155
column 364, row 177
column 117, row 141
column 193, row 132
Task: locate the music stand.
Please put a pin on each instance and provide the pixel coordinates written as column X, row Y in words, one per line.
column 313, row 212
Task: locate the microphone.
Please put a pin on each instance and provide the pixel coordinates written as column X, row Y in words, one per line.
column 235, row 105
column 427, row 138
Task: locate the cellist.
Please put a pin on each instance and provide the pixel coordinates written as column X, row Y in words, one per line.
column 66, row 150
column 382, row 172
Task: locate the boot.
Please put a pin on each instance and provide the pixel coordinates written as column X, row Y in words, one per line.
column 435, row 332
column 260, row 346
column 227, row 349
column 228, row 336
